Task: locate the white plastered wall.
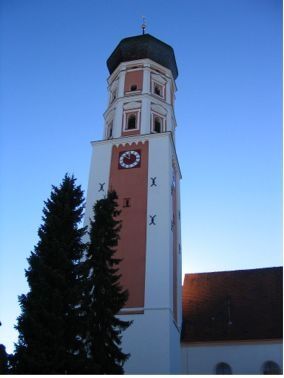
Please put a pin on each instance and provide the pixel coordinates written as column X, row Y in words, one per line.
column 162, row 342
column 158, row 264
column 178, row 234
column 99, row 174
column 243, row 357
column 152, row 342
column 153, row 339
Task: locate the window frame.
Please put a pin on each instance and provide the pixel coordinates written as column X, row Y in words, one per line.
column 155, row 83
column 138, row 67
column 113, row 91
column 113, row 95
column 126, row 115
column 108, row 128
column 163, row 123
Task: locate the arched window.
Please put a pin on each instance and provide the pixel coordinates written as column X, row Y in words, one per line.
column 271, row 367
column 131, row 122
column 223, row 368
column 157, row 125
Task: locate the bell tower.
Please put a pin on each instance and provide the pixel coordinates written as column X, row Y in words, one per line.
column 137, row 158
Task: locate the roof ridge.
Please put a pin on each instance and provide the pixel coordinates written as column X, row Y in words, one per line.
column 235, row 270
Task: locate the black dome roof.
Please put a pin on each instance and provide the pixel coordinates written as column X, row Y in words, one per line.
column 141, row 47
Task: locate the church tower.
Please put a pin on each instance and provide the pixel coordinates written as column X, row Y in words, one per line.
column 137, row 158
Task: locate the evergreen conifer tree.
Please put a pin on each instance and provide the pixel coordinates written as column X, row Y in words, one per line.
column 104, row 295
column 3, row 360
column 50, row 323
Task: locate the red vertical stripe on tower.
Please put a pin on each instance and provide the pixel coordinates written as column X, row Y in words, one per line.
column 131, row 185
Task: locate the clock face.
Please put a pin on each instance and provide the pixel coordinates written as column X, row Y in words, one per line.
column 129, row 159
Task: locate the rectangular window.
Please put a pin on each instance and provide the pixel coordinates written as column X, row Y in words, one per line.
column 131, row 120
column 158, row 89
column 158, row 123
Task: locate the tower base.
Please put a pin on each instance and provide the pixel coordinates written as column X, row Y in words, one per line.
column 153, row 340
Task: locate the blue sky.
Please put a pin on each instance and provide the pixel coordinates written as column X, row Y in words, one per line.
column 228, row 108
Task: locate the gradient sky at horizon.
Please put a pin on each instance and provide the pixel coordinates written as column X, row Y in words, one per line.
column 228, row 109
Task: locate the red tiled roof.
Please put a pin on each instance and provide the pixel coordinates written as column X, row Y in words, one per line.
column 233, row 305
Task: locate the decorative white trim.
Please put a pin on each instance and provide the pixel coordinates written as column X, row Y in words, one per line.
column 134, row 67
column 132, row 105
column 163, row 123
column 159, row 109
column 109, row 115
column 126, row 113
column 131, row 93
column 159, row 79
column 120, row 92
column 113, row 91
column 162, row 87
column 114, row 84
column 145, row 63
column 109, row 126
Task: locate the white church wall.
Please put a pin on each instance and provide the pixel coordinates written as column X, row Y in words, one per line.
column 158, row 262
column 100, row 164
column 117, row 121
column 175, row 348
column 145, row 116
column 151, row 339
column 179, row 251
column 243, row 357
column 174, row 162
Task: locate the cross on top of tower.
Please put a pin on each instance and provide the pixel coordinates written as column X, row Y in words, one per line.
column 143, row 26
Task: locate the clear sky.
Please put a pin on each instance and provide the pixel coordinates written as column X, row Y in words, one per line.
column 228, row 110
